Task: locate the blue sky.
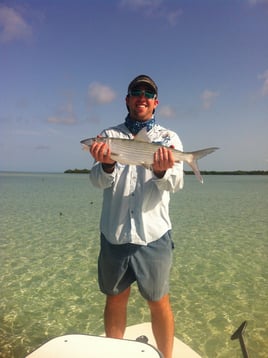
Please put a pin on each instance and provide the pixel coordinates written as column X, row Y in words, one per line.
column 65, row 67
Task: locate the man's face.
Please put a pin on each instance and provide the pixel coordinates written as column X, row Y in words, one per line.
column 140, row 106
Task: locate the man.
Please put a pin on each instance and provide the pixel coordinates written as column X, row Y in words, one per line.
column 135, row 224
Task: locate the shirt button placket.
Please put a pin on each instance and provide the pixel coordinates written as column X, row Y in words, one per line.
column 132, row 191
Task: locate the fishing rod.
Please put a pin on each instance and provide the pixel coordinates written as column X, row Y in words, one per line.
column 238, row 334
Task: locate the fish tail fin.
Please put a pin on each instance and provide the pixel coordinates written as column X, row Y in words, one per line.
column 198, row 155
column 193, row 164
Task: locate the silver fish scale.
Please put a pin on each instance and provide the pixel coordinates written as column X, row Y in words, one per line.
column 132, row 151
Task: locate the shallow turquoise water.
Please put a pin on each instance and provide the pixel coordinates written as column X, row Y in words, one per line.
column 49, row 246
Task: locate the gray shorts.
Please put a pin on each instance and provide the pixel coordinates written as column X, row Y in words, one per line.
column 121, row 265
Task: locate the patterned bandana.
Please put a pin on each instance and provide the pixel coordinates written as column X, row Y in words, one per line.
column 136, row 126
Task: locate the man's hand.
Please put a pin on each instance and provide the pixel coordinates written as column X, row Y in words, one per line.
column 102, row 153
column 163, row 160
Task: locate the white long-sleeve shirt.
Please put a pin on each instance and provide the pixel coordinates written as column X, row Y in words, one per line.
column 135, row 205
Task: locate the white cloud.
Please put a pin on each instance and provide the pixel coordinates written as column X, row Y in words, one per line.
column 256, row 2
column 100, row 94
column 138, row 4
column 153, row 8
column 62, row 119
column 264, row 77
column 167, row 112
column 173, row 16
column 13, row 26
column 64, row 114
column 22, row 132
column 208, row 98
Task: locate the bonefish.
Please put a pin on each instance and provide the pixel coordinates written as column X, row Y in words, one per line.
column 139, row 151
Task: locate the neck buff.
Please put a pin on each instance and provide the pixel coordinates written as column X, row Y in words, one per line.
column 136, row 126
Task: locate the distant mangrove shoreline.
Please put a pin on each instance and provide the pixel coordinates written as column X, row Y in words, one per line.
column 203, row 172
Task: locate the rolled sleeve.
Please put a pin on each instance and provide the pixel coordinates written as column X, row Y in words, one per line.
column 173, row 179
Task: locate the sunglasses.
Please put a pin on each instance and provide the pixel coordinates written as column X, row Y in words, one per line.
column 138, row 93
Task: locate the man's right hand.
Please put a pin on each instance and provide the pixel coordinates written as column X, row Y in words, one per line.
column 102, row 153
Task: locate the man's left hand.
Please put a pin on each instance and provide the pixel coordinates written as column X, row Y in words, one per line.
column 163, row 160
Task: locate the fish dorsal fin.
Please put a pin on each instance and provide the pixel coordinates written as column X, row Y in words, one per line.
column 142, row 136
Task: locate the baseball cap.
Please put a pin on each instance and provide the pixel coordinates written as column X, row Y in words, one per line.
column 145, row 80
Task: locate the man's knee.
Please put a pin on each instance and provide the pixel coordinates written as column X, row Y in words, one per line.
column 118, row 300
column 162, row 304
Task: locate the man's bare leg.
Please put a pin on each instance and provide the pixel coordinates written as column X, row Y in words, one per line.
column 115, row 314
column 163, row 325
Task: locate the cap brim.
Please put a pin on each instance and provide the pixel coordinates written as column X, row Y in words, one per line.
column 144, row 83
